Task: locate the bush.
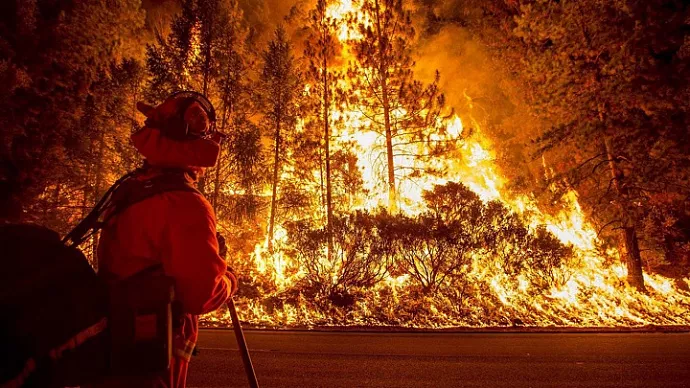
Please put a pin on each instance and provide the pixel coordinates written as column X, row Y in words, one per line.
column 436, row 249
column 358, row 259
column 428, row 249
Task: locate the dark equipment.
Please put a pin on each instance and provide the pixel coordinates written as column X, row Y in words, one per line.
column 141, row 324
column 52, row 303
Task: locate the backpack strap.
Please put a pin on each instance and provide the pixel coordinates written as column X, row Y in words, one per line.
column 90, row 225
column 125, row 192
column 136, row 190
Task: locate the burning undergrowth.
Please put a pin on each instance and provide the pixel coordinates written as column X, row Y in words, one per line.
column 459, row 262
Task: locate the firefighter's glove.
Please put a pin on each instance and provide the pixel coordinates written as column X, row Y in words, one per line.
column 222, row 247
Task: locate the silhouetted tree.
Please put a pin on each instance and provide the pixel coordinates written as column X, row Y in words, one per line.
column 279, row 88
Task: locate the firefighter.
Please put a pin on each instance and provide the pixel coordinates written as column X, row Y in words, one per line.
column 175, row 229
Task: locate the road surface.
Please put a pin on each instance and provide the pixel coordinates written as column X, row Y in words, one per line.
column 493, row 360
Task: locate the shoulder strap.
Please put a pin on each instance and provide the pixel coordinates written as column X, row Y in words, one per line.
column 136, row 190
column 127, row 191
column 89, row 225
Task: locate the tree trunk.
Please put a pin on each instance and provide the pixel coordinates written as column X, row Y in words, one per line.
column 670, row 249
column 383, row 75
column 97, row 191
column 392, row 195
column 633, row 261
column 206, row 78
column 208, row 50
column 216, row 181
column 327, row 140
column 49, row 213
column 85, row 205
column 276, row 167
column 322, row 178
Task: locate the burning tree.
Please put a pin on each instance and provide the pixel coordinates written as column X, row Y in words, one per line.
column 321, row 50
column 108, row 118
column 206, row 51
column 279, row 89
column 236, row 177
column 596, row 81
column 398, row 107
column 60, row 65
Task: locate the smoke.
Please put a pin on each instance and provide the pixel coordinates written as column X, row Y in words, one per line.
column 478, row 87
column 469, row 78
column 159, row 15
column 265, row 15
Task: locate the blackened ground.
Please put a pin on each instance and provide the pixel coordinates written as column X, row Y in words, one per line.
column 333, row 359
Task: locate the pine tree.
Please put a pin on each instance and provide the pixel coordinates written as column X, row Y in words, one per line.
column 108, row 122
column 204, row 52
column 321, row 50
column 279, row 88
column 241, row 154
column 56, row 52
column 400, row 109
column 605, row 80
column 169, row 60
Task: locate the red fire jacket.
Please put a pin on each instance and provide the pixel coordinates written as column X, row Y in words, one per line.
column 178, row 230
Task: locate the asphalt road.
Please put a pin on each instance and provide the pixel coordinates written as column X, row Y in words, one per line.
column 326, row 359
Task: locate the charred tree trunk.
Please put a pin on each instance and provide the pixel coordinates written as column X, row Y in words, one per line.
column 327, row 140
column 392, row 195
column 97, row 190
column 322, row 178
column 276, row 168
column 633, row 260
column 208, row 49
column 670, row 249
column 49, row 206
column 85, row 204
column 208, row 52
column 383, row 75
column 216, row 181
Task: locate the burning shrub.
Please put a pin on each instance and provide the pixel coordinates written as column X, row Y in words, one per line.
column 491, row 229
column 357, row 260
column 536, row 253
column 454, row 202
column 462, row 209
column 428, row 249
column 508, row 239
column 545, row 258
column 459, row 254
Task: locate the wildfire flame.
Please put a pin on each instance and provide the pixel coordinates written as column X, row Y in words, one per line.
column 594, row 293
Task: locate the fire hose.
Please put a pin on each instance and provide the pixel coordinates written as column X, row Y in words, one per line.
column 242, row 345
